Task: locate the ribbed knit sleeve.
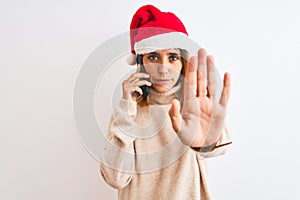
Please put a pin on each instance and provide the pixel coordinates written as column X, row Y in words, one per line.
column 118, row 158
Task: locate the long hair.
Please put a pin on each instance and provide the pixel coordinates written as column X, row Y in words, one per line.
column 184, row 58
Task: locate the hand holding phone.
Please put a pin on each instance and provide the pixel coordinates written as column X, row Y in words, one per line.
column 137, row 84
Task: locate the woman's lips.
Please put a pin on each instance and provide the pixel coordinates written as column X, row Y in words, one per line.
column 162, row 81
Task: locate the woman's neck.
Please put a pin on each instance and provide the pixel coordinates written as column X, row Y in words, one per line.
column 162, row 98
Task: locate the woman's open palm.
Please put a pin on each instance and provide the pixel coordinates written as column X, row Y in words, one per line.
column 200, row 120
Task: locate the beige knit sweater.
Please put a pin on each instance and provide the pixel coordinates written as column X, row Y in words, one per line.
column 144, row 158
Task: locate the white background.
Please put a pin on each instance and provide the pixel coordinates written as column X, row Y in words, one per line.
column 43, row 45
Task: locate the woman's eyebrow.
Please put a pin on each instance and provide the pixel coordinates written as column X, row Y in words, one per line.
column 173, row 54
column 153, row 53
column 169, row 53
column 173, row 51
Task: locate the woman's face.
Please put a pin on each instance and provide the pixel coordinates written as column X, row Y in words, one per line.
column 164, row 68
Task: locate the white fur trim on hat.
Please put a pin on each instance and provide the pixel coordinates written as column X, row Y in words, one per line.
column 166, row 41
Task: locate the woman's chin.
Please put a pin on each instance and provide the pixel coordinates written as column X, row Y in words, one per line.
column 161, row 88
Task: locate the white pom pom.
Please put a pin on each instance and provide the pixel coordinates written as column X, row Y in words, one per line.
column 131, row 59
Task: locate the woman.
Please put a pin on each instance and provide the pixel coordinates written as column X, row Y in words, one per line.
column 169, row 119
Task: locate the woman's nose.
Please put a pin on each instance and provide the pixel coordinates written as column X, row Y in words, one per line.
column 163, row 66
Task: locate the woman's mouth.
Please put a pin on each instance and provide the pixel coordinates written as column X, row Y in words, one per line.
column 162, row 81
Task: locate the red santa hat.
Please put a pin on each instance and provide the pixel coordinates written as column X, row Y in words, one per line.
column 151, row 30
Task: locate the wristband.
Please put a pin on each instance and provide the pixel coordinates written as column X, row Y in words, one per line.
column 210, row 147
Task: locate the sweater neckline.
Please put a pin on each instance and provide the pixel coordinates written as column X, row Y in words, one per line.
column 162, row 98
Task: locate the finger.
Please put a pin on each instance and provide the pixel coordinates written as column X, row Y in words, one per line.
column 211, row 77
column 190, row 85
column 226, row 90
column 136, row 75
column 138, row 89
column 201, row 73
column 202, row 62
column 175, row 115
column 142, row 82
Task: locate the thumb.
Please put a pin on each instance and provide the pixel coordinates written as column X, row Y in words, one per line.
column 175, row 115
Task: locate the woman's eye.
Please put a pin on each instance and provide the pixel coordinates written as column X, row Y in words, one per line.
column 152, row 57
column 174, row 58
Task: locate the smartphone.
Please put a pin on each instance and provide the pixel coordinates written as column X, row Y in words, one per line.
column 144, row 88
